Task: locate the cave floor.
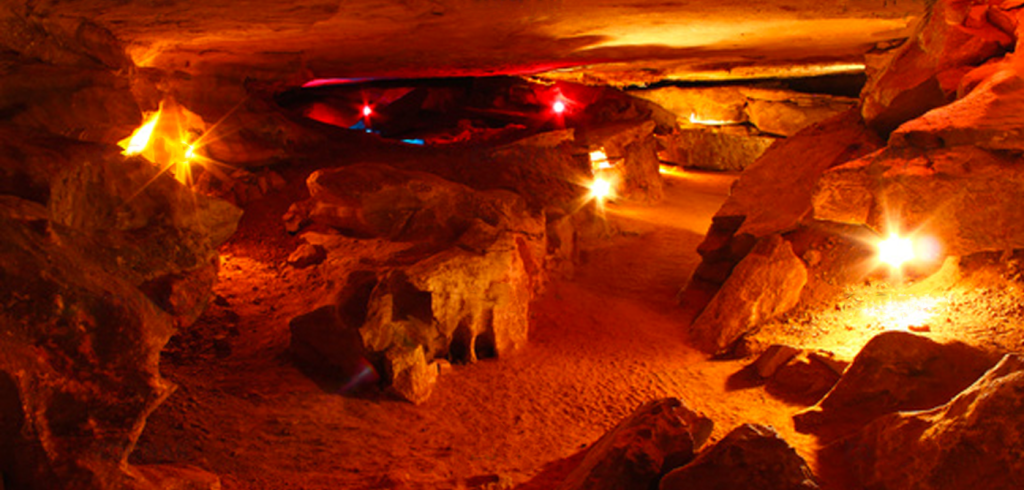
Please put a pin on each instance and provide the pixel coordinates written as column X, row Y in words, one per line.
column 600, row 345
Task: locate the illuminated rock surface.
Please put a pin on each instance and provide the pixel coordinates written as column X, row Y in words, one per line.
column 766, row 283
column 973, row 441
column 658, row 436
column 751, row 456
column 895, row 371
column 943, row 193
column 925, row 72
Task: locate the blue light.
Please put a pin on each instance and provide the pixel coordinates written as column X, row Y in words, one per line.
column 414, row 141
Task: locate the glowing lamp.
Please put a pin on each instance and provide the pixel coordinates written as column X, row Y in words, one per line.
column 599, row 160
column 601, row 189
column 895, row 251
column 367, row 110
column 558, row 107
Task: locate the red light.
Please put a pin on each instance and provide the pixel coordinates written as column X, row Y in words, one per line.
column 558, row 107
column 367, row 110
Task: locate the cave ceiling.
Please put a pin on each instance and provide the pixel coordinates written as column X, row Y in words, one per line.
column 619, row 42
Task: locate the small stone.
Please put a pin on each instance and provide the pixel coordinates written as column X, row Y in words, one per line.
column 773, row 358
column 307, row 255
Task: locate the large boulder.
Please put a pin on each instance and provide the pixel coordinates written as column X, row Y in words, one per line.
column 895, row 371
column 659, row 436
column 990, row 115
column 79, row 358
column 381, row 201
column 463, row 303
column 944, row 193
column 795, row 164
column 925, row 72
column 751, row 456
column 727, row 148
column 787, row 113
column 765, row 284
column 974, row 441
column 171, row 233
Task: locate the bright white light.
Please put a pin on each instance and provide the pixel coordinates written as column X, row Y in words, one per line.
column 367, row 110
column 601, row 189
column 558, row 107
column 694, row 119
column 138, row 141
column 190, row 152
column 901, row 314
column 599, row 160
column 895, row 251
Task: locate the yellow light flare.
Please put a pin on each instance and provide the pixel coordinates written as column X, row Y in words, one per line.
column 895, row 251
column 670, row 170
column 694, row 119
column 601, row 189
column 168, row 139
column 139, row 140
column 599, row 160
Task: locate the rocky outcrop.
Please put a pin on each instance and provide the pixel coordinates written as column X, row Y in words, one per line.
column 798, row 375
column 751, row 456
column 659, row 436
column 943, row 193
column 466, row 302
column 79, row 351
column 795, row 164
column 973, row 441
column 926, row 71
column 726, row 148
column 766, row 283
column 895, row 371
column 989, row 115
column 771, row 111
column 381, row 201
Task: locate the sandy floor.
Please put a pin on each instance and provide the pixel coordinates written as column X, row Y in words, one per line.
column 600, row 346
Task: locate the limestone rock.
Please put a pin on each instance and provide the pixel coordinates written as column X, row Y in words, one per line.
column 379, row 200
column 946, row 193
column 804, row 378
column 763, row 285
column 895, row 371
column 773, row 358
column 306, row 255
column 457, row 304
column 411, row 377
column 693, row 105
column 727, row 148
column 751, row 456
column 79, row 355
column 159, row 235
column 974, row 441
column 786, row 113
column 990, row 116
column 795, row 164
column 658, row 436
column 925, row 72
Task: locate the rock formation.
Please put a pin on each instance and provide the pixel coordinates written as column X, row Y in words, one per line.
column 659, row 436
column 973, row 441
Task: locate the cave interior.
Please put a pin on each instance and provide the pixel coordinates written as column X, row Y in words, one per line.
column 511, row 245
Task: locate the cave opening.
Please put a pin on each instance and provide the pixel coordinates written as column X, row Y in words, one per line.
column 603, row 245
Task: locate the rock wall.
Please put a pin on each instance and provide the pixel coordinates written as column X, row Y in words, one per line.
column 102, row 258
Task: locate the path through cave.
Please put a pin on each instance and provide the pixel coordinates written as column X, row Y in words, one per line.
column 600, row 345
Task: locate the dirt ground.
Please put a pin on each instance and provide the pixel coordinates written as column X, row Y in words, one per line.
column 600, row 345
